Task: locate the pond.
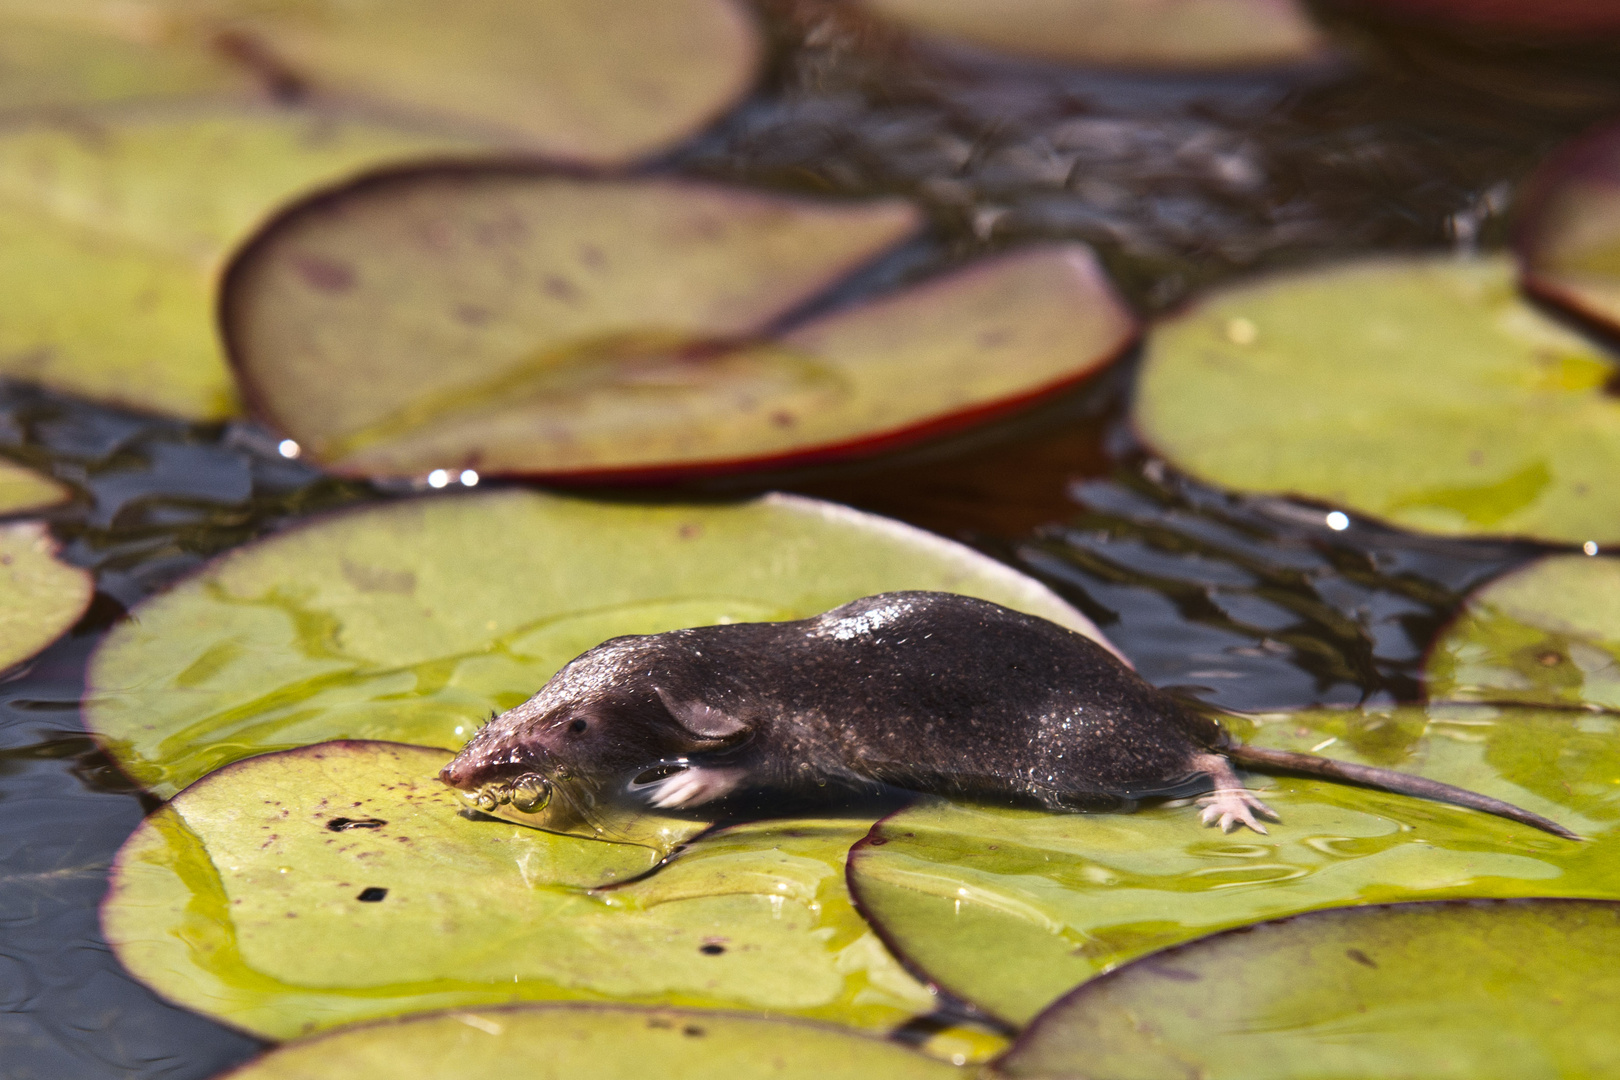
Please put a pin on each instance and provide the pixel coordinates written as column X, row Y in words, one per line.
column 1316, row 615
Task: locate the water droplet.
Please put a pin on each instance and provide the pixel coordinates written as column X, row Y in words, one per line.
column 288, row 449
column 469, row 478
column 530, row 793
column 438, row 478
column 1590, row 547
column 1241, row 331
column 1338, row 520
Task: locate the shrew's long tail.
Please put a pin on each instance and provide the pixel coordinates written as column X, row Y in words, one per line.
column 1264, row 760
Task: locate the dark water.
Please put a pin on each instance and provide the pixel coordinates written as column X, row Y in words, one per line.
column 1407, row 140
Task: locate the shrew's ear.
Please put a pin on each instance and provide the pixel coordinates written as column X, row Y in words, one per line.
column 704, row 721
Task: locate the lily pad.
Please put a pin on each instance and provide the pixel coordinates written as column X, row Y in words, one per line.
column 301, row 890
column 1480, row 989
column 41, row 597
column 1552, row 19
column 1547, row 633
column 1009, row 909
column 114, row 228
column 1569, row 232
column 609, row 329
column 1422, row 391
column 596, row 82
column 24, row 490
column 53, row 63
column 603, row 1042
column 412, row 621
column 479, row 318
column 1197, row 34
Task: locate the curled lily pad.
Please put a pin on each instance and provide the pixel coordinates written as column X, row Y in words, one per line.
column 1475, row 989
column 604, row 1042
column 1547, row 633
column 1009, row 909
column 40, row 596
column 300, row 890
column 1569, row 233
column 1421, row 391
column 576, row 78
column 1198, row 34
column 114, row 228
column 541, row 323
column 413, row 621
column 24, row 490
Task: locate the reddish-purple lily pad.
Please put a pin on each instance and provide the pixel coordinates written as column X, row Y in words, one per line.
column 538, row 322
column 1569, row 235
column 1534, row 18
column 1472, row 990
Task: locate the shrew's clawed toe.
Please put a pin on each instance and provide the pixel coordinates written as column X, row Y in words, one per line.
column 1231, row 807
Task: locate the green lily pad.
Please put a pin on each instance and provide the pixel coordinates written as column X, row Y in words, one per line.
column 41, row 597
column 1547, row 633
column 573, row 78
column 301, row 890
column 1569, row 231
column 412, row 621
column 114, row 228
column 1198, row 34
column 48, row 62
column 608, row 329
column 24, row 490
column 1009, row 909
column 603, row 1042
column 1421, row 391
column 1472, row 990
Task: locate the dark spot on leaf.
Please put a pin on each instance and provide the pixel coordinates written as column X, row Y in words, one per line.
column 371, row 894
column 1360, row 957
column 561, row 288
column 339, row 824
column 711, row 949
column 693, row 1030
column 878, row 841
column 472, row 315
column 659, row 1022
column 323, row 274
column 1550, row 658
column 783, row 419
column 691, row 531
column 1176, row 974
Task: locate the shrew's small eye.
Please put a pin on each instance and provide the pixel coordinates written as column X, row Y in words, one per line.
column 578, row 726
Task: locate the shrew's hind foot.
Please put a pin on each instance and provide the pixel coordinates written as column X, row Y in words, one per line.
column 1230, row 804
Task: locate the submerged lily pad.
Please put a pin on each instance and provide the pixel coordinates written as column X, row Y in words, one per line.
column 1547, row 633
column 1421, row 391
column 577, row 78
column 1569, row 232
column 1471, row 990
column 535, row 322
column 301, row 890
column 41, row 597
column 24, row 490
column 412, row 621
column 114, row 229
column 1009, row 909
column 1198, row 34
column 602, row 1042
